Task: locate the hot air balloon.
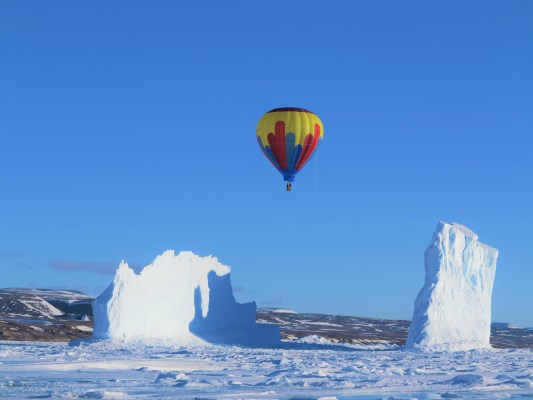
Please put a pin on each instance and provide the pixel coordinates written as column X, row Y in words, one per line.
column 288, row 137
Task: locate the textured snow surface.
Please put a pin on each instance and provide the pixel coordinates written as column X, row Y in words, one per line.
column 106, row 369
column 182, row 298
column 453, row 309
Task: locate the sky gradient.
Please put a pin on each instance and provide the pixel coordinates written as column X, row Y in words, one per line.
column 128, row 128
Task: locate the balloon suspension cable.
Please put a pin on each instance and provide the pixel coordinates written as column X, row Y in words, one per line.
column 316, row 167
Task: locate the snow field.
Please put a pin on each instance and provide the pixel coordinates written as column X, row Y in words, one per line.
column 110, row 369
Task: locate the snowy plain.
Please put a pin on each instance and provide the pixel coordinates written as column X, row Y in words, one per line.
column 305, row 370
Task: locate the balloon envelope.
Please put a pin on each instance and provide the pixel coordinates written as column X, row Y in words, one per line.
column 288, row 137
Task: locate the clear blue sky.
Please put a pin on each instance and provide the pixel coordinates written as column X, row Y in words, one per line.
column 128, row 128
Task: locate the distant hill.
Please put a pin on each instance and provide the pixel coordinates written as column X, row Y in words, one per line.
column 64, row 315
column 372, row 331
column 44, row 303
column 44, row 314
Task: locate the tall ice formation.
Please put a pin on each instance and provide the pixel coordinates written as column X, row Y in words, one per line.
column 453, row 309
column 183, row 298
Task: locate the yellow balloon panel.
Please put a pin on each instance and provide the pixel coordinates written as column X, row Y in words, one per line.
column 300, row 123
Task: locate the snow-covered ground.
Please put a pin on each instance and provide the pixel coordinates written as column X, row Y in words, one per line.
column 306, row 370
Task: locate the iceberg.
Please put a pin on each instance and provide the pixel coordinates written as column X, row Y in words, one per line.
column 452, row 311
column 184, row 298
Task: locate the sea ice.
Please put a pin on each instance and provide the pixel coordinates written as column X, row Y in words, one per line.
column 453, row 309
column 107, row 369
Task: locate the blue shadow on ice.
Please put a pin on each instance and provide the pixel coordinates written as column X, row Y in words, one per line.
column 230, row 323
